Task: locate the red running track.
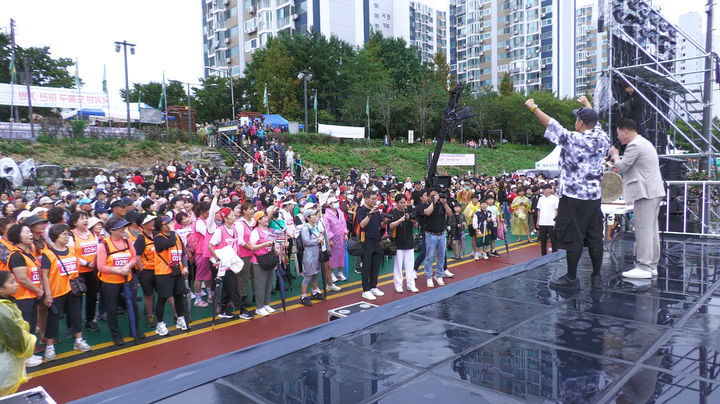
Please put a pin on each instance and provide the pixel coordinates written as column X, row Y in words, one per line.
column 131, row 363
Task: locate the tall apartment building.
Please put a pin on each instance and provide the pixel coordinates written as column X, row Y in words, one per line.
column 591, row 48
column 521, row 37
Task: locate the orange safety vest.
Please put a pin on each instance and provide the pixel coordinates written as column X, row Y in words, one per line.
column 172, row 255
column 63, row 267
column 130, row 236
column 147, row 257
column 115, row 258
column 33, row 273
column 85, row 249
column 10, row 246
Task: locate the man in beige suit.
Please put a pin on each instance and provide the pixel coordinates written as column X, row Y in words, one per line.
column 642, row 185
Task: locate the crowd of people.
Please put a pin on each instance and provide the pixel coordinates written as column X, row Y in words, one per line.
column 78, row 251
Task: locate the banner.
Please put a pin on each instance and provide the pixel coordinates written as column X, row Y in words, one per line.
column 348, row 132
column 447, row 159
column 52, row 97
column 150, row 115
column 411, row 136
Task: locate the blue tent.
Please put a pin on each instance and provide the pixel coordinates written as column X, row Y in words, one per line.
column 84, row 113
column 276, row 120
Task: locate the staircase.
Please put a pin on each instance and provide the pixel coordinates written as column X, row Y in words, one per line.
column 243, row 154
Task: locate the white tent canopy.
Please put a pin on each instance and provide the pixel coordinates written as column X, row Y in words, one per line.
column 551, row 162
column 116, row 113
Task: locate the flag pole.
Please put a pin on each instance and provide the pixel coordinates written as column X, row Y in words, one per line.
column 12, row 75
column 104, row 86
column 77, row 83
column 367, row 112
column 164, row 98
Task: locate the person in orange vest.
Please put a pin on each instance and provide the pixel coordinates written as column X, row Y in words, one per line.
column 59, row 265
column 170, row 270
column 116, row 258
column 85, row 243
column 145, row 246
column 26, row 268
column 5, row 245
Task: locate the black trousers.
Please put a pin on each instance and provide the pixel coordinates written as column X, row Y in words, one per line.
column 421, row 256
column 371, row 264
column 111, row 295
column 169, row 286
column 28, row 308
column 545, row 233
column 91, row 296
column 65, row 303
column 579, row 224
column 230, row 289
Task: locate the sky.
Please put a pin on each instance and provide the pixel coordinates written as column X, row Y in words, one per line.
column 168, row 35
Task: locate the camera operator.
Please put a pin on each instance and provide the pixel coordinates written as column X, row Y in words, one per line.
column 401, row 228
column 370, row 218
column 435, row 237
column 633, row 108
column 421, row 220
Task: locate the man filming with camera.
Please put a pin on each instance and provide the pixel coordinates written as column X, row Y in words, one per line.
column 370, row 218
column 435, row 238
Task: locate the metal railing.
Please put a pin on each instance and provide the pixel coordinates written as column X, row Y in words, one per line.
column 239, row 153
column 699, row 202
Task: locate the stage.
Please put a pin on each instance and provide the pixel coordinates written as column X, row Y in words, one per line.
column 503, row 336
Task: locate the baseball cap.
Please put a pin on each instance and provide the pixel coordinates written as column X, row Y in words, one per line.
column 588, row 115
column 147, row 218
column 122, row 223
column 33, row 220
column 126, row 201
column 132, row 216
column 44, row 200
column 84, row 201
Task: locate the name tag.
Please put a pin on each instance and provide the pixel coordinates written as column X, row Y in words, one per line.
column 121, row 259
column 35, row 275
column 70, row 266
column 88, row 248
column 175, row 255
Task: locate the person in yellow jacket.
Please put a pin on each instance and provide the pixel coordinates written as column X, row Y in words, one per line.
column 469, row 212
column 16, row 342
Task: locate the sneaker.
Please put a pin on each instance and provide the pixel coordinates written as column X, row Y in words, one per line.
column 415, row 274
column 494, row 253
column 334, row 288
column 92, row 326
column 118, row 341
column 333, row 278
column 101, row 317
column 226, row 314
column 654, row 272
column 245, row 315
column 358, row 270
column 33, row 361
column 82, row 346
column 261, row 312
column 305, row 301
column 485, row 256
column 399, row 290
column 180, row 324
column 269, row 309
column 161, row 329
column 637, row 273
column 440, row 281
column 596, row 281
column 317, row 296
column 150, row 323
column 413, row 289
column 448, row 274
column 50, row 353
column 565, row 283
column 200, row 303
column 368, row 295
column 476, row 256
column 430, row 283
column 341, row 277
column 377, row 292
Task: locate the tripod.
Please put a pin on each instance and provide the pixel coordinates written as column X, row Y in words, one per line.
column 32, row 182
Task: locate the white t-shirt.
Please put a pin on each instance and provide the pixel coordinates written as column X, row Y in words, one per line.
column 547, row 205
column 217, row 236
column 248, row 168
column 100, row 180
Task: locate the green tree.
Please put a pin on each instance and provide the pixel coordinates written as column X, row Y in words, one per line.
column 506, row 86
column 152, row 91
column 212, row 101
column 403, row 63
column 274, row 67
column 425, row 98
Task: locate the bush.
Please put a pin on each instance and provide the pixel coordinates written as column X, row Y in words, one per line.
column 16, row 147
column 78, row 128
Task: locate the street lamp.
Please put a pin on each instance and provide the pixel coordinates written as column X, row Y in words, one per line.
column 125, row 45
column 305, row 76
column 232, row 91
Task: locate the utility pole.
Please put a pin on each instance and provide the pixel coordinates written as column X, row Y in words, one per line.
column 12, row 78
column 189, row 109
column 125, row 45
column 26, row 62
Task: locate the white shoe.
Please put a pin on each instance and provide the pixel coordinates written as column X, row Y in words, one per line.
column 269, row 309
column 180, row 324
column 485, row 256
column 430, row 283
column 261, row 312
column 399, row 290
column 476, row 256
column 448, row 274
column 82, row 346
column 50, row 353
column 415, row 275
column 377, row 292
column 341, row 277
column 161, row 329
column 654, row 272
column 333, row 278
column 334, row 288
column 413, row 289
column 440, row 281
column 637, row 273
column 33, row 361
column 368, row 295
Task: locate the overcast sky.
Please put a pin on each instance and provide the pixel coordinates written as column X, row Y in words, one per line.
column 168, row 35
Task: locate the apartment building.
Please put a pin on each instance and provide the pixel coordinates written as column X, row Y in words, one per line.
column 591, row 48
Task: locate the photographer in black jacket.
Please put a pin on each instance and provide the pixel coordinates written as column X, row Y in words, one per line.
column 401, row 228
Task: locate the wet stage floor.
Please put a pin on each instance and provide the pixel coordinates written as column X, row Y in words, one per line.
column 515, row 340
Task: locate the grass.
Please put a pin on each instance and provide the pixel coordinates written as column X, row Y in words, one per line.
column 411, row 160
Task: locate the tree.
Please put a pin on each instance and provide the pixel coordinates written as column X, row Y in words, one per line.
column 506, row 86
column 274, row 67
column 403, row 63
column 212, row 101
column 152, row 91
column 425, row 98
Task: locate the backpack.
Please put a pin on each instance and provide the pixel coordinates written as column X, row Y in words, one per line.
column 194, row 240
column 298, row 240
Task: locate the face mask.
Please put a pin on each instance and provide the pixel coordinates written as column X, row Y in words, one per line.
column 335, row 205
